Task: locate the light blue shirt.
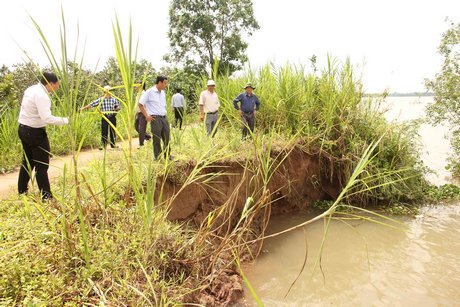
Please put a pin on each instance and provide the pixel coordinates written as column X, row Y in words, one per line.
column 154, row 101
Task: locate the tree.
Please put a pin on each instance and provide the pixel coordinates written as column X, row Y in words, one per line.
column 446, row 86
column 203, row 31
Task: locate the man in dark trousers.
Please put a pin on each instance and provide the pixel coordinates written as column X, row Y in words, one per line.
column 249, row 106
column 178, row 104
column 140, row 123
column 34, row 115
column 153, row 105
column 109, row 106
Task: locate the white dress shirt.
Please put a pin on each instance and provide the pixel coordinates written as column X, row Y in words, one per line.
column 36, row 108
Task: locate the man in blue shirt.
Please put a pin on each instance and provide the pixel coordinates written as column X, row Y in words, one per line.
column 153, row 105
column 249, row 105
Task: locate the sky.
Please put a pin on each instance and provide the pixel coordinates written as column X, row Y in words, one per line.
column 392, row 44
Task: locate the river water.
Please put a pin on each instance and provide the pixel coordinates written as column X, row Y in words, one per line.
column 362, row 263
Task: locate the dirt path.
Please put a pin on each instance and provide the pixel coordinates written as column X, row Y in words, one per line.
column 8, row 182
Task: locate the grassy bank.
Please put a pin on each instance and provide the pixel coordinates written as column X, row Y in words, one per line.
column 106, row 238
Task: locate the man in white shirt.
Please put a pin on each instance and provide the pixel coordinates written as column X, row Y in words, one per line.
column 209, row 106
column 153, row 105
column 178, row 104
column 34, row 115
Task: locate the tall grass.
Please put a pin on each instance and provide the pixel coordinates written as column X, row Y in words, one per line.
column 9, row 140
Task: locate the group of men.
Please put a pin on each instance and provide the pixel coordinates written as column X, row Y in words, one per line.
column 246, row 103
column 35, row 114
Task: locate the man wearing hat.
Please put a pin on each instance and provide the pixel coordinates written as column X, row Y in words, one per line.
column 209, row 106
column 249, row 105
column 108, row 106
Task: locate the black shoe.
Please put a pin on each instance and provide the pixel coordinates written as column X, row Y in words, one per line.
column 148, row 137
column 47, row 196
column 114, row 146
column 100, row 148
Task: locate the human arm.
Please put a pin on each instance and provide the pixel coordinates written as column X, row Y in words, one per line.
column 148, row 117
column 85, row 107
column 235, row 104
column 201, row 112
column 91, row 105
column 257, row 105
column 201, row 104
column 143, row 100
column 43, row 104
column 117, row 105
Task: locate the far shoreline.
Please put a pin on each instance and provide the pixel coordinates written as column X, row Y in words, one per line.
column 397, row 94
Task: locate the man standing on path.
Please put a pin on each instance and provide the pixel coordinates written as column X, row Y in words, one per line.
column 140, row 123
column 249, row 106
column 209, row 106
column 109, row 106
column 34, row 115
column 153, row 105
column 178, row 104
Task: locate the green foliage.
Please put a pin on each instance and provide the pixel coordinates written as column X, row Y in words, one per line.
column 401, row 209
column 443, row 193
column 327, row 111
column 446, row 86
column 8, row 94
column 10, row 145
column 36, row 269
column 202, row 31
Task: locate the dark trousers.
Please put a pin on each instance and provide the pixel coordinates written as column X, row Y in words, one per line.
column 140, row 124
column 160, row 131
column 107, row 130
column 36, row 156
column 178, row 115
column 247, row 120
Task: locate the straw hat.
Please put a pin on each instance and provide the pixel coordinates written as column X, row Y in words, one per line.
column 249, row 85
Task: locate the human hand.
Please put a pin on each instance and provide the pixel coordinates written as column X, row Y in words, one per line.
column 149, row 118
column 201, row 117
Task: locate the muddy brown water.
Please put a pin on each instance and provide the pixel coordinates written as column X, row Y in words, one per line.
column 364, row 263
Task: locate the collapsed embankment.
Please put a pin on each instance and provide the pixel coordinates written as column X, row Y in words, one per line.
column 299, row 180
